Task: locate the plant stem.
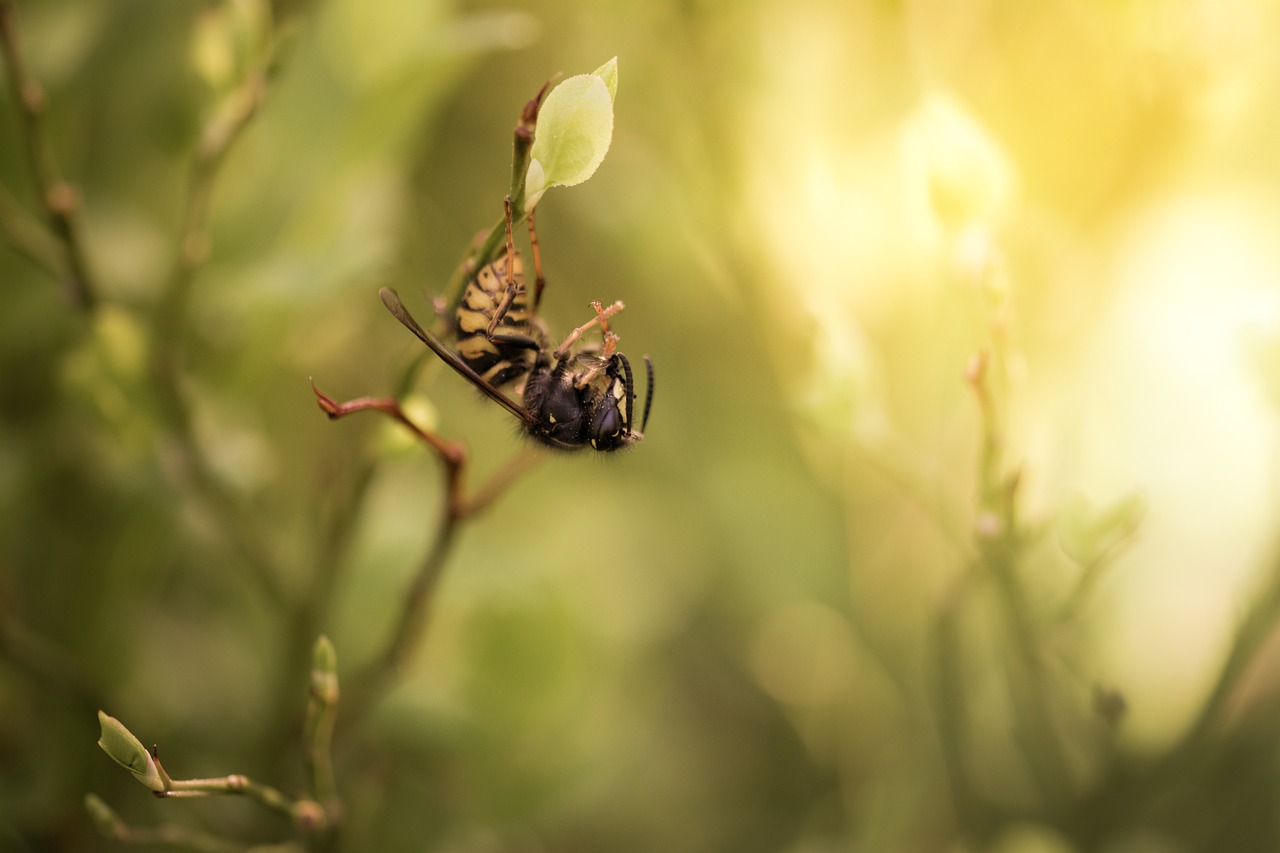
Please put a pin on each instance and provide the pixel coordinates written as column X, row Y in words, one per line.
column 59, row 200
column 28, row 236
column 322, row 709
column 370, row 682
column 177, row 836
column 232, row 784
column 952, row 713
column 44, row 661
column 522, row 145
column 1000, row 548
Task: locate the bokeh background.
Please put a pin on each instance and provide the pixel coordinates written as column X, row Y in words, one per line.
column 954, row 525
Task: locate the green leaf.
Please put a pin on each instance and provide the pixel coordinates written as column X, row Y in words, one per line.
column 127, row 751
column 575, row 128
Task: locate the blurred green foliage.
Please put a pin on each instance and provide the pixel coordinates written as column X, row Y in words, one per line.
column 917, row 277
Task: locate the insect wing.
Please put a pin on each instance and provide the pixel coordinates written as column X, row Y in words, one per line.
column 392, row 300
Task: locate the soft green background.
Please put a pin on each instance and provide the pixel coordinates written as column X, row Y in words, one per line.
column 817, row 212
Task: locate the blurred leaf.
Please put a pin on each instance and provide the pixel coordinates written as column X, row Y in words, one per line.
column 968, row 176
column 229, row 39
column 103, row 816
column 1088, row 533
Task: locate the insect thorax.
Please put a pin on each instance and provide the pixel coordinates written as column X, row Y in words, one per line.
column 580, row 403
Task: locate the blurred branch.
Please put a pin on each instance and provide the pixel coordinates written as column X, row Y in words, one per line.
column 112, row 826
column 45, row 661
column 59, row 200
column 28, row 236
column 1108, row 541
column 973, row 814
column 169, row 321
column 368, row 683
column 1252, row 634
column 322, row 710
column 1000, row 547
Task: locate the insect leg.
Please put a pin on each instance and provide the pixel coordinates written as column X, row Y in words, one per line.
column 539, row 281
column 610, row 344
column 602, row 316
column 512, row 285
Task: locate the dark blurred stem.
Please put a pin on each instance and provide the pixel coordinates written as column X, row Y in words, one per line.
column 193, row 240
column 952, row 715
column 28, row 236
column 1254, row 630
column 45, row 662
column 59, row 201
column 370, row 682
column 999, row 540
column 172, row 835
column 170, row 327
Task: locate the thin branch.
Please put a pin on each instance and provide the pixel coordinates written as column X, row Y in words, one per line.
column 112, row 826
column 307, row 815
column 59, row 200
column 457, row 507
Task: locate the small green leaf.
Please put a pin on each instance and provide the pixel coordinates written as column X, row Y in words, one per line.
column 127, row 751
column 575, row 128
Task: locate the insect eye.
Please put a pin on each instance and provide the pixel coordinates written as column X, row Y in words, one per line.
column 608, row 426
column 606, row 429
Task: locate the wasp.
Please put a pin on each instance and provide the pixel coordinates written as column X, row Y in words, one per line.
column 567, row 399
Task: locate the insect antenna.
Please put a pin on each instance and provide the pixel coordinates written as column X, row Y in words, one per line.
column 629, row 385
column 648, row 397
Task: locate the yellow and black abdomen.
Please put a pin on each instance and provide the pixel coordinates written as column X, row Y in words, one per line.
column 507, row 354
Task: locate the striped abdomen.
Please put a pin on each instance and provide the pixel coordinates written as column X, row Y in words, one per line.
column 508, row 353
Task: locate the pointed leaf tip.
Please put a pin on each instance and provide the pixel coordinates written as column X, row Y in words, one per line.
column 609, row 74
